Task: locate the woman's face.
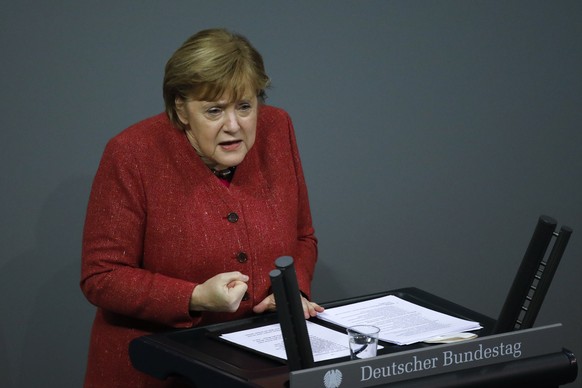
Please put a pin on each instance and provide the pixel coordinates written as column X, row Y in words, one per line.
column 222, row 132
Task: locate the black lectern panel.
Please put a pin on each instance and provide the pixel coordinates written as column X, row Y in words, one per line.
column 198, row 356
column 534, row 276
column 547, row 371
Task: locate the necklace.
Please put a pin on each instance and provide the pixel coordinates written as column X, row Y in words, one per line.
column 225, row 174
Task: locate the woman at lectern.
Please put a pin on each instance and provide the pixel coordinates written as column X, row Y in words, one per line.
column 190, row 208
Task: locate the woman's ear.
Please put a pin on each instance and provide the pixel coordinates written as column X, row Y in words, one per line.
column 181, row 110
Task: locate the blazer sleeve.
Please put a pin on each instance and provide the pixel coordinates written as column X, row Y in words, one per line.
column 305, row 255
column 112, row 276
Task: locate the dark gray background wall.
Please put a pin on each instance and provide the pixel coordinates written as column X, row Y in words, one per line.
column 433, row 134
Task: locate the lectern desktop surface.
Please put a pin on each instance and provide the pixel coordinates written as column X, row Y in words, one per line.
column 198, row 355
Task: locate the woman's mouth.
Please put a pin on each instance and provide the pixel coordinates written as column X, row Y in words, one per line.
column 230, row 145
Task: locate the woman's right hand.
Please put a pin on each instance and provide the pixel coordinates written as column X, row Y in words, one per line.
column 221, row 293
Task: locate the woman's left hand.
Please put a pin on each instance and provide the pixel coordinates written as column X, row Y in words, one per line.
column 310, row 309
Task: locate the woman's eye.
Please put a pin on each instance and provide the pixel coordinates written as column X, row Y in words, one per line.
column 214, row 111
column 245, row 106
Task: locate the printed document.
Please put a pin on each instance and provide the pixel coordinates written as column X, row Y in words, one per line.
column 400, row 322
column 326, row 344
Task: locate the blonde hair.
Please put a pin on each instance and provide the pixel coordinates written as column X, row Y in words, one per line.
column 209, row 64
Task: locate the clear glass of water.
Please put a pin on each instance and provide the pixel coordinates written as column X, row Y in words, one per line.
column 363, row 341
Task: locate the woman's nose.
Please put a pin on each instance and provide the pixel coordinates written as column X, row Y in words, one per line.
column 231, row 124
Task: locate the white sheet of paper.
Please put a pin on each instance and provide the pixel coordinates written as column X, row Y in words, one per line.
column 400, row 321
column 326, row 344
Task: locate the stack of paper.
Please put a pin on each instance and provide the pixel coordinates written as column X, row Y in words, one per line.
column 400, row 322
column 326, row 344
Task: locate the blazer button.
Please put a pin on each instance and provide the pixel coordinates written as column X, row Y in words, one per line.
column 232, row 217
column 246, row 296
column 242, row 257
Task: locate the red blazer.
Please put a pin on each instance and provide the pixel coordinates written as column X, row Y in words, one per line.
column 158, row 224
